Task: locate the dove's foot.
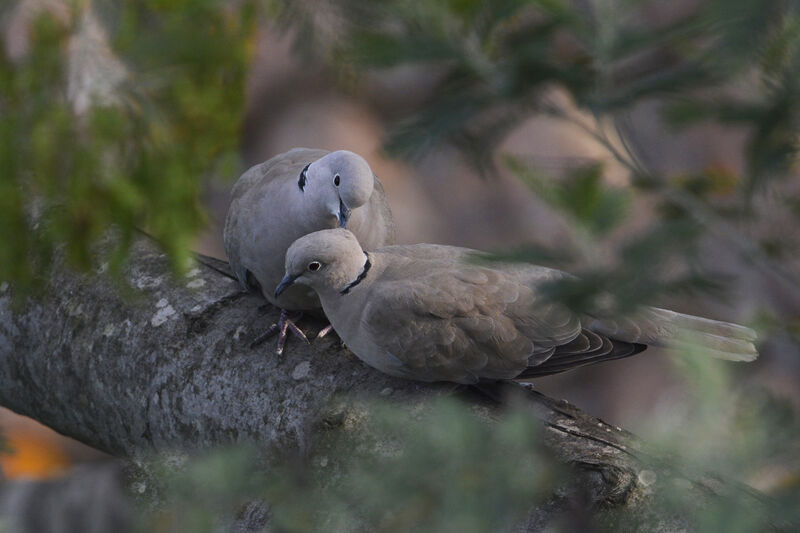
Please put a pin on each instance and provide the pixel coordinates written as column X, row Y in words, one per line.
column 282, row 328
column 324, row 331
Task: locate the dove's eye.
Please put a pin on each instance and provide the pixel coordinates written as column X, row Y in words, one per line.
column 336, row 180
column 313, row 266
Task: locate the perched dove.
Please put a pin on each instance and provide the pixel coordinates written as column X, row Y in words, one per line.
column 424, row 312
column 292, row 194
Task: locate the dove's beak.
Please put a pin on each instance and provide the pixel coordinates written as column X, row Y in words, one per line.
column 344, row 214
column 285, row 283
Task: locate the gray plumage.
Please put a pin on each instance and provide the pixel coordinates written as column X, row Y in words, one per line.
column 270, row 208
column 424, row 312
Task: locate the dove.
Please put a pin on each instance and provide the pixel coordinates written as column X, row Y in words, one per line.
column 426, row 312
column 295, row 193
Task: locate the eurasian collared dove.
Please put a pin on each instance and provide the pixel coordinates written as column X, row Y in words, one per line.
column 425, row 312
column 292, row 194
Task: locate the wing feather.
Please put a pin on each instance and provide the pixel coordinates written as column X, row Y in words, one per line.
column 461, row 322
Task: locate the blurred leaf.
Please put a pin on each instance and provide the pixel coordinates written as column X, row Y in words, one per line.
column 102, row 129
column 581, row 194
column 531, row 253
column 715, row 181
column 642, row 275
column 444, row 469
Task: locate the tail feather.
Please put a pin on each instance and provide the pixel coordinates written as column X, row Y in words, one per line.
column 661, row 327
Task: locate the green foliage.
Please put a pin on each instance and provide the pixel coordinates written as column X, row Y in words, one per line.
column 769, row 109
column 647, row 266
column 582, row 195
column 721, row 432
column 496, row 57
column 118, row 134
column 445, row 469
column 448, row 468
column 498, row 63
column 499, row 59
column 198, row 493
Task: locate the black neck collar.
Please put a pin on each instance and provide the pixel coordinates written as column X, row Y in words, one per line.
column 301, row 181
column 360, row 277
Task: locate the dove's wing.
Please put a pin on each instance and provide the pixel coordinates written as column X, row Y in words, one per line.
column 445, row 320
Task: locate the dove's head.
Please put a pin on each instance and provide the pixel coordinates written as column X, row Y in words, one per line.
column 338, row 182
column 324, row 260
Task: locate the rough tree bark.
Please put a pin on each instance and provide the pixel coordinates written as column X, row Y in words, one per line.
column 169, row 365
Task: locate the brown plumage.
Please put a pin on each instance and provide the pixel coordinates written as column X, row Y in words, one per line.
column 426, row 312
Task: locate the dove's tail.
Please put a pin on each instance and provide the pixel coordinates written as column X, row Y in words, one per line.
column 661, row 327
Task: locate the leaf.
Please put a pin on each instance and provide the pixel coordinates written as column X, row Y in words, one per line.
column 582, row 195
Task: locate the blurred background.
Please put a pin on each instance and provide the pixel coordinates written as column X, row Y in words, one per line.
column 649, row 147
